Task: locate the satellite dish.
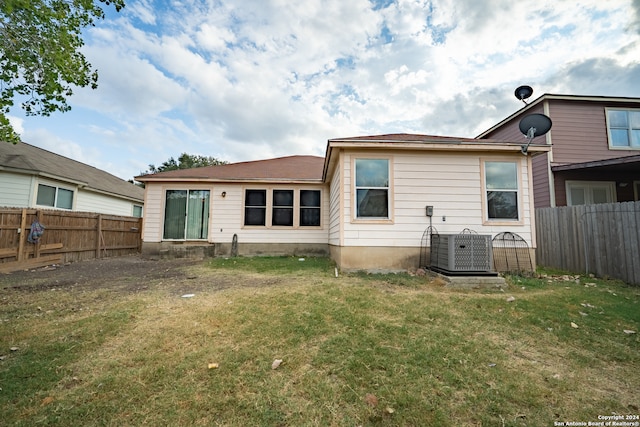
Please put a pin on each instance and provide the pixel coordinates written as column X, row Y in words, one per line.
column 523, row 92
column 533, row 125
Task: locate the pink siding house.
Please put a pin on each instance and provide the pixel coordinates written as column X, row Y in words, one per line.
column 595, row 155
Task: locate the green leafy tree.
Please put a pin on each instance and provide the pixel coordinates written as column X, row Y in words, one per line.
column 40, row 58
column 185, row 161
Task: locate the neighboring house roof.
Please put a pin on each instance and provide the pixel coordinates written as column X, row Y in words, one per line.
column 622, row 164
column 30, row 160
column 550, row 96
column 288, row 169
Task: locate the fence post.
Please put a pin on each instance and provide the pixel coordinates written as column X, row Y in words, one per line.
column 98, row 235
column 23, row 235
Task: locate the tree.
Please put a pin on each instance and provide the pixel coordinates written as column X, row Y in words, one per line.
column 185, row 161
column 40, row 58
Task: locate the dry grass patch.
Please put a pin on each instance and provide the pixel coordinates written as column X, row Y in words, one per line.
column 355, row 350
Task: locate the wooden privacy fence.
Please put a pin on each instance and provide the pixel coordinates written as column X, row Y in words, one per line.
column 68, row 236
column 602, row 239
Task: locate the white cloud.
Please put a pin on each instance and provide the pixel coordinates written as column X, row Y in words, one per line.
column 261, row 78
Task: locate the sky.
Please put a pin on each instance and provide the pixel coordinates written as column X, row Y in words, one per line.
column 244, row 80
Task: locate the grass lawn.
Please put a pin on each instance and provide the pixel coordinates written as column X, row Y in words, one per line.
column 356, row 350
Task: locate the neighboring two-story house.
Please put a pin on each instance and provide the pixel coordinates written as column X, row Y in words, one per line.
column 595, row 156
column 31, row 177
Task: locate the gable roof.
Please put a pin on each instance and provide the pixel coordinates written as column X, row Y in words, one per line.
column 31, row 160
column 288, row 169
column 571, row 98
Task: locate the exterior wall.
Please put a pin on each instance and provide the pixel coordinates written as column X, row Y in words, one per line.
column 226, row 215
column 20, row 191
column 450, row 182
column 87, row 201
column 16, row 190
column 541, row 187
column 380, row 258
column 511, row 132
column 579, row 132
column 335, row 195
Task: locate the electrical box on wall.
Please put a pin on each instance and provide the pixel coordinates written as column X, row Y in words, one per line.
column 429, row 210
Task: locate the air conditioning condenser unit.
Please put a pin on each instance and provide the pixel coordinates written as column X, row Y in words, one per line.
column 462, row 254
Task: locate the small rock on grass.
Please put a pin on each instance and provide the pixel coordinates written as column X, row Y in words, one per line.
column 573, row 325
column 276, row 364
column 629, row 332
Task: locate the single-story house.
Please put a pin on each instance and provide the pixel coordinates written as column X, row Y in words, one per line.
column 364, row 203
column 31, row 177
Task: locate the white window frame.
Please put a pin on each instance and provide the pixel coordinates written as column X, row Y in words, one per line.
column 629, row 129
column 388, row 188
column 133, row 211
column 610, row 186
column 485, row 202
column 55, row 199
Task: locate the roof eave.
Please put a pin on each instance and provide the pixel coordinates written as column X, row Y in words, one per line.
column 233, row 180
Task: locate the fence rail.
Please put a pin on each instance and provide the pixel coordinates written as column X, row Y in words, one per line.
column 68, row 236
column 602, row 239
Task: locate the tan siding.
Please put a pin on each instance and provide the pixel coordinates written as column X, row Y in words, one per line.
column 226, row 215
column 334, row 215
column 153, row 206
column 448, row 181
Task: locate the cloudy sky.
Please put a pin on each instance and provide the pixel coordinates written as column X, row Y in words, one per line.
column 252, row 79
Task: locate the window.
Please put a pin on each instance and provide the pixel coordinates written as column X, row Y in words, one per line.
column 624, row 128
column 54, row 197
column 501, row 186
column 309, row 208
column 282, row 208
column 372, row 188
column 255, row 207
column 186, row 214
column 589, row 192
column 137, row 211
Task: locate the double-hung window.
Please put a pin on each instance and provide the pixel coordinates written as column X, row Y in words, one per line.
column 186, row 214
column 255, row 207
column 309, row 208
column 54, row 196
column 282, row 208
column 372, row 188
column 624, row 128
column 501, row 190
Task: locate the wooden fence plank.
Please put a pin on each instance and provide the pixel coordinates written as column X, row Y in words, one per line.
column 75, row 235
column 602, row 239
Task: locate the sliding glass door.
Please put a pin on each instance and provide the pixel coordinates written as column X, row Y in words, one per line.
column 186, row 215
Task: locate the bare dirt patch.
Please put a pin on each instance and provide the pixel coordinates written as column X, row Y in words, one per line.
column 131, row 273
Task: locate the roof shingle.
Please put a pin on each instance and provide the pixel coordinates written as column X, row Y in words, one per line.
column 33, row 160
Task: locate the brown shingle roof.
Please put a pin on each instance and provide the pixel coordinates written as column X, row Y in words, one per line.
column 291, row 168
column 29, row 159
column 405, row 137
